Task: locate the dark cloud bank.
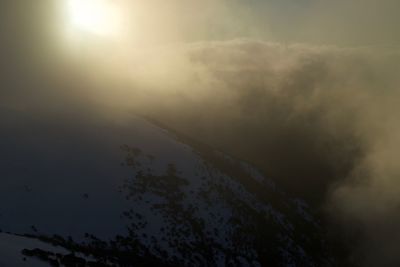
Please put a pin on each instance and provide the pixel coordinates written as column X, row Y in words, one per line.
column 320, row 120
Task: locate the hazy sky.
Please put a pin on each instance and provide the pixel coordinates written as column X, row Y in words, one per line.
column 341, row 22
column 347, row 22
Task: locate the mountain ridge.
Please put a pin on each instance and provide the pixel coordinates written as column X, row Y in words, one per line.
column 137, row 194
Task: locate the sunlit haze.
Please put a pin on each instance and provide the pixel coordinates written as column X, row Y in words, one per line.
column 100, row 17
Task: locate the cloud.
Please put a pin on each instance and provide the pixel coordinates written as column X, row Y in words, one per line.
column 321, row 120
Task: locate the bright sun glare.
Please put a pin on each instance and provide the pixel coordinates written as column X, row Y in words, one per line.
column 100, row 17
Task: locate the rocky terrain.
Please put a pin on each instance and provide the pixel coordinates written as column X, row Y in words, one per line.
column 118, row 190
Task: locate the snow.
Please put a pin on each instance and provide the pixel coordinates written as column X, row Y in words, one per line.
column 67, row 178
column 11, row 247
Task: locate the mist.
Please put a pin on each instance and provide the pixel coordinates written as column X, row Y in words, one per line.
column 307, row 92
column 321, row 120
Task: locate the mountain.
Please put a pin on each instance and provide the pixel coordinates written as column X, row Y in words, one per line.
column 113, row 189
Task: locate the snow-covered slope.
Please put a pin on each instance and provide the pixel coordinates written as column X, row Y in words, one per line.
column 116, row 189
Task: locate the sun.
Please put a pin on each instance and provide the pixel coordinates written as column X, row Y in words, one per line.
column 99, row 17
